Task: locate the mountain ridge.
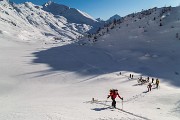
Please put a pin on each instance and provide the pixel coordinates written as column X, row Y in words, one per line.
column 73, row 15
column 33, row 19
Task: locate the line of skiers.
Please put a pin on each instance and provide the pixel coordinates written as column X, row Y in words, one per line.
column 113, row 93
column 156, row 83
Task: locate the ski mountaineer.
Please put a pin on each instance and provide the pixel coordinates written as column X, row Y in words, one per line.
column 157, row 83
column 113, row 94
column 149, row 87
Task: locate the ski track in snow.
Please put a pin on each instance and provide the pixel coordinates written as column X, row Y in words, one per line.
column 119, row 110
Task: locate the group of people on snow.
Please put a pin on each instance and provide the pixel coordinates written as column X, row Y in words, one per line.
column 156, row 83
column 131, row 76
column 149, row 86
column 113, row 93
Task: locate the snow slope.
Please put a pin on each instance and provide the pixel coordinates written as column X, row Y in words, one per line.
column 42, row 82
column 142, row 44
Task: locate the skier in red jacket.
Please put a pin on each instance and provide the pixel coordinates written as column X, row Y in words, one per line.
column 113, row 94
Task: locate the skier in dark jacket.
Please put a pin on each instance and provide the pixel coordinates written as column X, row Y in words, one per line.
column 113, row 94
column 149, row 87
column 152, row 80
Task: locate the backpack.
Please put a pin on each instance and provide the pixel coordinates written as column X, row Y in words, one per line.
column 112, row 90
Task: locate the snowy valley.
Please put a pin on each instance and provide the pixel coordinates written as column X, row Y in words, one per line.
column 51, row 68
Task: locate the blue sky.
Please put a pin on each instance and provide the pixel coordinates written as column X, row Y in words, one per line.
column 107, row 8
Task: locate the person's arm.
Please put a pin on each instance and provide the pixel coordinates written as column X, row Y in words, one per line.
column 108, row 96
column 120, row 96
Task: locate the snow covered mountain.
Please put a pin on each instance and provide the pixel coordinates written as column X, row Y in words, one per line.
column 150, row 40
column 71, row 14
column 100, row 20
column 115, row 17
column 32, row 22
column 57, row 82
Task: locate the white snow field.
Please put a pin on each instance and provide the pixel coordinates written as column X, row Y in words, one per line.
column 58, row 81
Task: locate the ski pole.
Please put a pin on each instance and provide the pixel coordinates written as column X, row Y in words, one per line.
column 105, row 102
column 122, row 103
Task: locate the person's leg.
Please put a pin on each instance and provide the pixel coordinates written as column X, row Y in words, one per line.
column 113, row 103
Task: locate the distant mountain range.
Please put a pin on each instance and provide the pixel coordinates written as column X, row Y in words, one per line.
column 50, row 20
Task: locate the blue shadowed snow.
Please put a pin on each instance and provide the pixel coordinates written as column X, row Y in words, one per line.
column 86, row 60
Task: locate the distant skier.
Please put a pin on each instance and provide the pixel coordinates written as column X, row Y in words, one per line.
column 149, row 87
column 152, row 80
column 157, row 83
column 148, row 79
column 130, row 76
column 113, row 94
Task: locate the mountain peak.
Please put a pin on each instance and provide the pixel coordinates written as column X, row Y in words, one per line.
column 116, row 16
column 71, row 14
column 48, row 3
column 55, row 8
column 99, row 19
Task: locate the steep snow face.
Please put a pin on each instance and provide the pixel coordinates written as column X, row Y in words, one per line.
column 54, row 8
column 77, row 16
column 30, row 22
column 11, row 23
column 44, row 21
column 71, row 14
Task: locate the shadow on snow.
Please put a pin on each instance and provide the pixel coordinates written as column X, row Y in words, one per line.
column 121, row 110
column 89, row 60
